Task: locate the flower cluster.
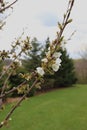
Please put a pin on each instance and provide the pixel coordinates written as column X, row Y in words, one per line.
column 52, row 60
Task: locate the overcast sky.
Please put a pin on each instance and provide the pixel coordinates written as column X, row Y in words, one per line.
column 39, row 19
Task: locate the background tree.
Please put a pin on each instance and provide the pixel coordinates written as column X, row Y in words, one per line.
column 47, row 42
column 66, row 75
column 32, row 61
column 81, row 67
column 16, row 80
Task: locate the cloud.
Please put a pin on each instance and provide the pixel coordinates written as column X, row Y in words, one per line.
column 41, row 17
column 48, row 19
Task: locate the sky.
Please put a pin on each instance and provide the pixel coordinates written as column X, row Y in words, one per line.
column 39, row 18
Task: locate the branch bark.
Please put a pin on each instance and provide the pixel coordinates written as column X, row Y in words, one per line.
column 3, row 9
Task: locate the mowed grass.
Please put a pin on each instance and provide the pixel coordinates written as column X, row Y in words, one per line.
column 64, row 109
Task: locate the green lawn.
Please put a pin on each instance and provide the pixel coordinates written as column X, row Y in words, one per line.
column 64, row 109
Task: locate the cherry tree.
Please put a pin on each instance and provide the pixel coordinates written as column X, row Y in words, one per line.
column 49, row 64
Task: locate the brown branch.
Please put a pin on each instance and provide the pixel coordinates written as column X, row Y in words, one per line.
column 17, row 104
column 33, row 74
column 2, row 24
column 64, row 22
column 3, row 9
column 12, row 90
column 4, row 86
column 67, row 17
column 10, row 65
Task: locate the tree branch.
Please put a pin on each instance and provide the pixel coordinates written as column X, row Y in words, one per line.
column 3, row 9
column 12, row 90
column 18, row 103
column 4, row 86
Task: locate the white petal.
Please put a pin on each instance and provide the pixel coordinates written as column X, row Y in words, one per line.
column 40, row 71
column 49, row 49
column 57, row 54
column 44, row 60
column 55, row 67
column 58, row 61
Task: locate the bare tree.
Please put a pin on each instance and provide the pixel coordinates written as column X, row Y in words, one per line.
column 81, row 67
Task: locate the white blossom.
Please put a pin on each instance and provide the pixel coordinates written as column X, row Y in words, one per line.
column 57, row 54
column 40, row 71
column 48, row 48
column 55, row 67
column 58, row 61
column 44, row 60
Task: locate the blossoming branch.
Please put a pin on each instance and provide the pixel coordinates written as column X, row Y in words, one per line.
column 49, row 64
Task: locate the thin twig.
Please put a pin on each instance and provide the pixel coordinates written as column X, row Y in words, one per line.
column 18, row 103
column 12, row 90
column 10, row 65
column 3, row 9
column 4, row 86
column 64, row 22
column 67, row 17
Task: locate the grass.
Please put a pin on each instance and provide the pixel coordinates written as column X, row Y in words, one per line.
column 64, row 109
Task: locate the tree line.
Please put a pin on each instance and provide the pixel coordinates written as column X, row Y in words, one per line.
column 65, row 77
